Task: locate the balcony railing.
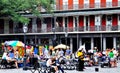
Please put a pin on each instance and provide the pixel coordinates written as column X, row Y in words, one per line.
column 62, row 29
column 86, row 6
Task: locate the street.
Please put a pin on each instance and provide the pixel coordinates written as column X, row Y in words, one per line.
column 86, row 70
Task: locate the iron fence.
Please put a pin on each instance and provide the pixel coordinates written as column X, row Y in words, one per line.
column 62, row 29
column 86, row 6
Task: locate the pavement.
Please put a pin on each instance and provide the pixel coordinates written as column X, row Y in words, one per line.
column 86, row 70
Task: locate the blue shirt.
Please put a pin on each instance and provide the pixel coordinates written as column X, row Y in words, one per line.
column 11, row 55
column 68, row 52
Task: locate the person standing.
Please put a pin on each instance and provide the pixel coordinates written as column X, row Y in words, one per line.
column 80, row 60
column 46, row 53
column 115, row 56
column 111, row 55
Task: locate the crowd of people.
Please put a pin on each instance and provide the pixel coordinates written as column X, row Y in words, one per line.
column 90, row 58
column 94, row 56
column 12, row 57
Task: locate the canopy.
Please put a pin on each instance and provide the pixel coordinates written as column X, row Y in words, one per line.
column 61, row 46
column 14, row 43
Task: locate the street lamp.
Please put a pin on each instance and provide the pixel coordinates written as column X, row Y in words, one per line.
column 25, row 29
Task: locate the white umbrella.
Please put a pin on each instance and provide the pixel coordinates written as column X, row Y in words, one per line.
column 61, row 46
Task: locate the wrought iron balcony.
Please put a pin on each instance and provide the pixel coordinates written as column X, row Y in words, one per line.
column 86, row 6
column 62, row 29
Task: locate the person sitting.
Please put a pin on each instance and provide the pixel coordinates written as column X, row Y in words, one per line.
column 9, row 59
column 4, row 61
column 54, row 63
column 51, row 63
column 68, row 53
column 33, row 60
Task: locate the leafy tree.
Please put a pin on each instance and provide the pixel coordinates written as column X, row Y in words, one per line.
column 15, row 9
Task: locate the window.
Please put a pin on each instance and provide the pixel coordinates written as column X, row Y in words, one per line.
column 65, row 4
column 97, row 5
column 75, row 4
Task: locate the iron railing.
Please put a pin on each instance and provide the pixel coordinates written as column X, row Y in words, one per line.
column 86, row 6
column 62, row 29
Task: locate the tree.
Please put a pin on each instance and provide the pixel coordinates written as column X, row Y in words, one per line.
column 15, row 9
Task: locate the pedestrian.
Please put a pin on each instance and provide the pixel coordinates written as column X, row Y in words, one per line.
column 80, row 60
column 115, row 56
column 112, row 59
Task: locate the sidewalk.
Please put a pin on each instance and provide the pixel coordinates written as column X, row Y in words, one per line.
column 87, row 70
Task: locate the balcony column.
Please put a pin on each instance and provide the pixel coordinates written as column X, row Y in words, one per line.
column 92, row 43
column 114, row 42
column 6, row 26
column 119, row 22
column 43, row 25
column 65, row 23
column 76, row 23
column 71, row 44
column 101, row 41
column 39, row 41
column 31, row 41
column 50, row 41
column 77, row 40
column 55, row 23
column 104, row 43
column 86, row 23
column 108, row 22
column 97, row 22
column 80, row 42
column 34, row 25
column 15, row 24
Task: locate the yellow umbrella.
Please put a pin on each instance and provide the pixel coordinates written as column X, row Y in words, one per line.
column 19, row 43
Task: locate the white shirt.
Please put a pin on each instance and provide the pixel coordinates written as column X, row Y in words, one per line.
column 115, row 53
column 46, row 54
column 4, row 55
column 49, row 62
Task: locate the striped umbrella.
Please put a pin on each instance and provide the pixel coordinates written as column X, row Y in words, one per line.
column 14, row 43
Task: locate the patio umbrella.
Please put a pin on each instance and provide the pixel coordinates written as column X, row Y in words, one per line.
column 61, row 46
column 14, row 43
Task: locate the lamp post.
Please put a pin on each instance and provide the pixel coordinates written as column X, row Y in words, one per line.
column 66, row 35
column 25, row 29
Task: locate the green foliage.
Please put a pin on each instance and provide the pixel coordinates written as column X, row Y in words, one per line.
column 16, row 8
column 46, row 4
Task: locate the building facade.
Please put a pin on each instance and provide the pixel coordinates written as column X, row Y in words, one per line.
column 95, row 23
